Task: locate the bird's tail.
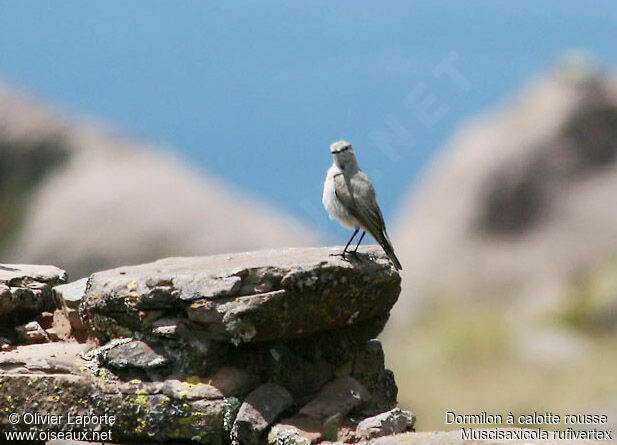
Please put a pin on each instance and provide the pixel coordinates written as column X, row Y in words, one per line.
column 385, row 244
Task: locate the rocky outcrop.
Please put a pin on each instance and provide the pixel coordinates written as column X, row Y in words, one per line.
column 246, row 348
column 86, row 198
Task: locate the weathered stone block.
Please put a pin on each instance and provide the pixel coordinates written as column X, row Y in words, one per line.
column 25, row 291
column 245, row 298
column 395, row 421
column 69, row 297
column 31, row 332
column 259, row 410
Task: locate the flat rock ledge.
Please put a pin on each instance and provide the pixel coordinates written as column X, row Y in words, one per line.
column 272, row 347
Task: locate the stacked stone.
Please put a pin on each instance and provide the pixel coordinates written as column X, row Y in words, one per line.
column 26, row 303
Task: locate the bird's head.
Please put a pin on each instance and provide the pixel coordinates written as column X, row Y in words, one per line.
column 343, row 154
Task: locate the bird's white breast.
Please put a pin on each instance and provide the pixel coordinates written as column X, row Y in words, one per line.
column 335, row 208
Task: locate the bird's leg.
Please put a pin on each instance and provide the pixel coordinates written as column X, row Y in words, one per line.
column 361, row 238
column 349, row 242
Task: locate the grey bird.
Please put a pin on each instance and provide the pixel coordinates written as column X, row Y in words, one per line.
column 349, row 197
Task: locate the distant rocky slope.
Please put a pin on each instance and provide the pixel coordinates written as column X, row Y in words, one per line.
column 270, row 346
column 522, row 197
column 83, row 198
column 510, row 250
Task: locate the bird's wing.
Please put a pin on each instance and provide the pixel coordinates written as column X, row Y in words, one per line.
column 358, row 197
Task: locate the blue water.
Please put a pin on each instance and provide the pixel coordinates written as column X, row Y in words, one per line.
column 254, row 92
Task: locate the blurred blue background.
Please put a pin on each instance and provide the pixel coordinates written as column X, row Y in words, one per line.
column 254, row 92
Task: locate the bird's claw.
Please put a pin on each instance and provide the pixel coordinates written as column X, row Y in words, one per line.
column 342, row 255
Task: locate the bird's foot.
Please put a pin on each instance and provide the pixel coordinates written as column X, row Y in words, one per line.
column 338, row 254
column 343, row 255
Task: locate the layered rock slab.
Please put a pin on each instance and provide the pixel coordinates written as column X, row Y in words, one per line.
column 183, row 343
column 244, row 298
column 37, row 379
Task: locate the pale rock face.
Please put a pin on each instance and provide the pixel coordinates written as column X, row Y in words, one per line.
column 107, row 201
column 520, row 199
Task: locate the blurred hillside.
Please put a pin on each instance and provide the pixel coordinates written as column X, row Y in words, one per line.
column 509, row 247
column 85, row 199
